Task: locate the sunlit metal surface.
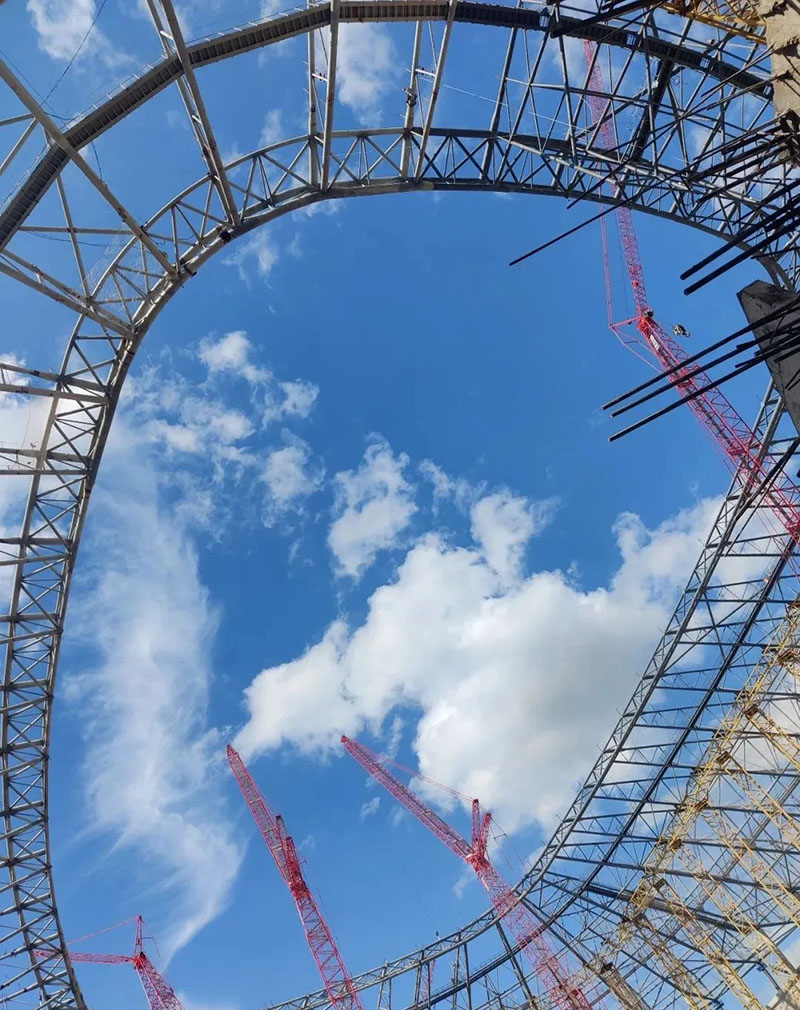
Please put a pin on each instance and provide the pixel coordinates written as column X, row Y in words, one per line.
column 643, row 926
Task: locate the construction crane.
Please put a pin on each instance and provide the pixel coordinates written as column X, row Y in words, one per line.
column 728, row 431
column 335, row 977
column 160, row 994
column 521, row 923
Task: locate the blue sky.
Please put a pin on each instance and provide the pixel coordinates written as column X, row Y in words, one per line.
column 359, row 482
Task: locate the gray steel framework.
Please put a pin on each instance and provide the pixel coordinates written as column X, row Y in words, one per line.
column 674, row 98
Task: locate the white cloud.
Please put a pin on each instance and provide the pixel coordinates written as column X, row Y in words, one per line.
column 299, row 397
column 258, row 250
column 369, row 808
column 231, row 353
column 154, row 778
column 291, row 399
column 366, row 67
column 208, row 444
column 515, row 681
column 395, row 737
column 272, row 130
column 464, row 879
column 22, row 424
column 444, row 486
column 22, row 417
column 503, row 524
column 374, row 505
column 62, row 25
column 289, row 478
column 203, row 440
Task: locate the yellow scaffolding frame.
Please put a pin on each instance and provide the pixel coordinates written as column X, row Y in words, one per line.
column 722, row 765
column 739, row 16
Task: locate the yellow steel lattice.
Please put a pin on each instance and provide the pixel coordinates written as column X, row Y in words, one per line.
column 739, row 16
column 724, row 765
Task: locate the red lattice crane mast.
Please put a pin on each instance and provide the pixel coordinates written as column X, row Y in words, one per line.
column 160, row 994
column 335, row 977
column 729, row 432
column 520, row 922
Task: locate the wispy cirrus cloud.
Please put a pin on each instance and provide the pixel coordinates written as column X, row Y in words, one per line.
column 154, row 773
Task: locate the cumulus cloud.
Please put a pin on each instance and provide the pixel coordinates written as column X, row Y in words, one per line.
column 64, row 26
column 515, row 676
column 503, row 525
column 289, row 478
column 153, row 777
column 366, row 68
column 231, row 353
column 374, row 505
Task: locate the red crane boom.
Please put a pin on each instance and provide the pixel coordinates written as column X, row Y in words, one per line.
column 160, row 994
column 728, row 430
column 516, row 916
column 335, row 977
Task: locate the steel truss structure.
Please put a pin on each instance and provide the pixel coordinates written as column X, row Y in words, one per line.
column 676, row 871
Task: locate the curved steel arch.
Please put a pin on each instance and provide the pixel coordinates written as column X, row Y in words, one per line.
column 582, row 884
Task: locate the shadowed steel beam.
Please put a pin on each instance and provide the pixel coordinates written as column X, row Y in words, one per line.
column 435, row 89
column 654, row 99
column 58, row 137
column 61, row 293
column 76, row 249
column 330, row 94
column 411, row 101
column 317, row 16
column 193, row 101
column 501, row 97
column 313, row 123
column 625, row 894
column 16, row 148
column 56, row 394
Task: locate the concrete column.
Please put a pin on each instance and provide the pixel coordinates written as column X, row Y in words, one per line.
column 782, row 34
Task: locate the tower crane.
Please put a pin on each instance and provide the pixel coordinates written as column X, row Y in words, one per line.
column 515, row 916
column 729, row 432
column 160, row 994
column 335, row 977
